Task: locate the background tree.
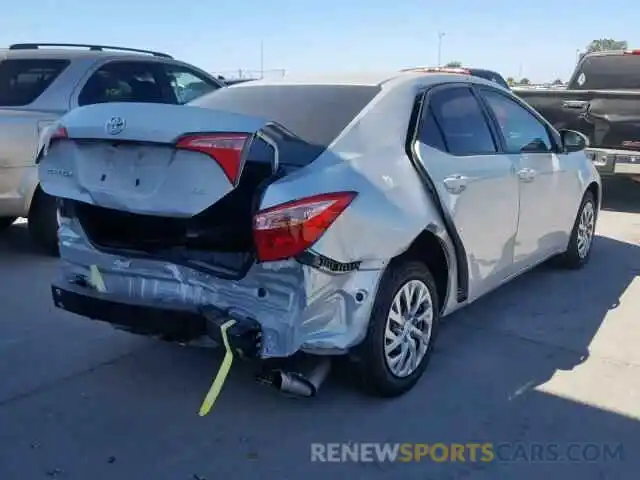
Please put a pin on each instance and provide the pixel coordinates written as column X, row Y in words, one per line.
column 524, row 81
column 606, row 44
column 511, row 81
column 602, row 44
column 557, row 81
column 454, row 64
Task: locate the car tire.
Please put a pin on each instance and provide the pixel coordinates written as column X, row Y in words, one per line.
column 6, row 222
column 43, row 223
column 375, row 366
column 581, row 240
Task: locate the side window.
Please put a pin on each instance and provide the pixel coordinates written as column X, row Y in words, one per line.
column 462, row 121
column 126, row 82
column 430, row 133
column 522, row 131
column 22, row 81
column 187, row 84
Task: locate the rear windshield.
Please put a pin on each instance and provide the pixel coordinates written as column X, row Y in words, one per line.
column 314, row 113
column 24, row 80
column 608, row 72
column 491, row 76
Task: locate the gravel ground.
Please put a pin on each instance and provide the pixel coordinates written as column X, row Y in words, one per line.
column 551, row 358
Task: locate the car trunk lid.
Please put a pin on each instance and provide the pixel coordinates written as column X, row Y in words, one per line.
column 147, row 159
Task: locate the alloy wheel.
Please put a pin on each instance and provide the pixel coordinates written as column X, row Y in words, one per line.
column 586, row 227
column 408, row 328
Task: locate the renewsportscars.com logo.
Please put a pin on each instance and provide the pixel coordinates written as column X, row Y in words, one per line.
column 466, row 452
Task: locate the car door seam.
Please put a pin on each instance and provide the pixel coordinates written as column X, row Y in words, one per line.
column 462, row 267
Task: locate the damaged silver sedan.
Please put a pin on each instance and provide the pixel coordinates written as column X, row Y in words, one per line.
column 326, row 217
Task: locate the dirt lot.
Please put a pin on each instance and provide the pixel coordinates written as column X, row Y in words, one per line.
column 551, row 358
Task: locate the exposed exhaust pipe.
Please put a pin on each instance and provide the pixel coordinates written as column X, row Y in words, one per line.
column 303, row 381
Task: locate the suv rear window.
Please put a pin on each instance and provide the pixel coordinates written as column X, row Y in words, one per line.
column 24, row 80
column 314, row 113
column 608, row 72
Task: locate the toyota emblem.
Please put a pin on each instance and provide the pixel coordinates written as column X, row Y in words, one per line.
column 115, row 125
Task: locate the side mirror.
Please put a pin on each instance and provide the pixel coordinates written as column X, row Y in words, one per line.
column 535, row 146
column 573, row 141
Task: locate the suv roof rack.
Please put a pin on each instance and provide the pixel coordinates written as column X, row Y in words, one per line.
column 99, row 48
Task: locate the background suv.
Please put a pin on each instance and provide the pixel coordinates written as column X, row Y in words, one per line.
column 41, row 82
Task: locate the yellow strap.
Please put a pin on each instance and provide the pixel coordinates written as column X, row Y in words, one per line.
column 96, row 279
column 218, row 382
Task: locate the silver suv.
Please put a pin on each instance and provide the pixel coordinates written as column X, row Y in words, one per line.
column 41, row 82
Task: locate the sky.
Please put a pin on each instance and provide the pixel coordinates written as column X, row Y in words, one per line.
column 537, row 39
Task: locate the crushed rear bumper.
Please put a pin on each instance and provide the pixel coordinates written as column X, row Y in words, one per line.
column 169, row 323
column 298, row 307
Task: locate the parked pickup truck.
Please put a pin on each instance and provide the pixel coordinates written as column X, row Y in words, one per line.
column 602, row 101
column 41, row 82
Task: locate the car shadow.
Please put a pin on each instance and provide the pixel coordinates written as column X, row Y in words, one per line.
column 16, row 240
column 621, row 195
column 528, row 367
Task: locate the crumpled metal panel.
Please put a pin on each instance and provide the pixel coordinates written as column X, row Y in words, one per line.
column 298, row 307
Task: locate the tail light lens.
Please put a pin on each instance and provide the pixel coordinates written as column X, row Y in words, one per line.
column 287, row 230
column 59, row 133
column 224, row 148
column 47, row 139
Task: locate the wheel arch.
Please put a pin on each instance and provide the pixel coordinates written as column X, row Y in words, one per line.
column 429, row 248
column 34, row 198
column 594, row 188
column 458, row 250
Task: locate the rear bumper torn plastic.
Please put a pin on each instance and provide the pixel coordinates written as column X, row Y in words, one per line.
column 174, row 324
column 297, row 307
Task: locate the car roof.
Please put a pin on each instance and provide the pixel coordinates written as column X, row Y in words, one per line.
column 80, row 51
column 347, row 78
column 372, row 79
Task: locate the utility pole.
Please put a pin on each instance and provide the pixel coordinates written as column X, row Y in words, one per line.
column 440, row 37
column 261, row 59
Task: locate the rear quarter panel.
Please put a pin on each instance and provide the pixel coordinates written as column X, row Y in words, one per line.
column 19, row 134
column 19, row 130
column 392, row 207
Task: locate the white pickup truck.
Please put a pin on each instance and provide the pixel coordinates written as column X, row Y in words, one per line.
column 41, row 82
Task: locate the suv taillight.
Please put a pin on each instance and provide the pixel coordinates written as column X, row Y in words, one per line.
column 224, row 148
column 287, row 230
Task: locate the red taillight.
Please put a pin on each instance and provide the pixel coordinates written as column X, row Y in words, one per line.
column 286, row 230
column 224, row 148
column 59, row 133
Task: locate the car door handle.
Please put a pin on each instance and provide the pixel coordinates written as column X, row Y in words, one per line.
column 455, row 183
column 575, row 104
column 527, row 175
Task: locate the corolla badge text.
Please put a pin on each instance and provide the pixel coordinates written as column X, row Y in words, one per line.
column 60, row 171
column 115, row 125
